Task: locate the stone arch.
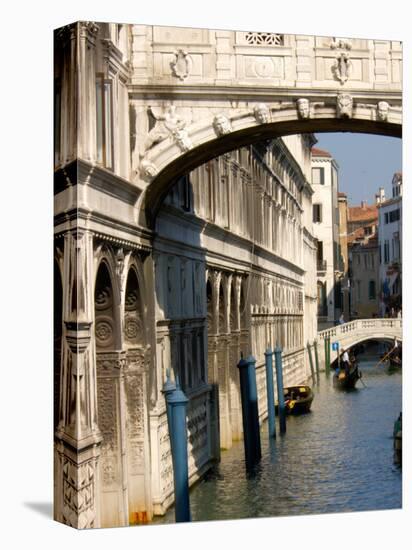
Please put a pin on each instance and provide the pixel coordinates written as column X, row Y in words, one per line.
column 233, row 314
column 133, row 326
column 109, row 367
column 105, row 329
column 164, row 163
column 221, row 321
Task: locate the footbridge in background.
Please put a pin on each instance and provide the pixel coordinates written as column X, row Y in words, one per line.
column 361, row 330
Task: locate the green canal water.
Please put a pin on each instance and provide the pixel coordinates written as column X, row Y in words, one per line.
column 337, row 458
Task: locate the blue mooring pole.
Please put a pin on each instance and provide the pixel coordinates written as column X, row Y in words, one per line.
column 315, row 347
column 270, row 392
column 250, row 414
column 168, row 388
column 178, row 433
column 279, row 383
column 312, row 371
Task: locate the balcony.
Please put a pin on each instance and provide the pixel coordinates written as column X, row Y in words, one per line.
column 321, row 265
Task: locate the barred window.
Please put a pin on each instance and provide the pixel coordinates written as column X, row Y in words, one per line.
column 266, row 38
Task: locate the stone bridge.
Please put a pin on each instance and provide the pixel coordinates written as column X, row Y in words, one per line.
column 210, row 91
column 361, row 330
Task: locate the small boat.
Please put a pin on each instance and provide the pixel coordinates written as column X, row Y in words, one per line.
column 397, row 439
column 298, row 399
column 346, row 380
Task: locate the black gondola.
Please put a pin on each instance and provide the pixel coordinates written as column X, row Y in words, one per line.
column 298, row 399
column 345, row 379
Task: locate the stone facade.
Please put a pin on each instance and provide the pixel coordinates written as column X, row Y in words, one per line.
column 166, row 256
column 363, row 260
column 390, row 248
column 326, row 230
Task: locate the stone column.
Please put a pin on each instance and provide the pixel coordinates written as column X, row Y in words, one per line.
column 77, row 436
column 65, row 44
column 86, row 86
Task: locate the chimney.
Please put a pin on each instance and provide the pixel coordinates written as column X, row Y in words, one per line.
column 363, row 205
column 380, row 196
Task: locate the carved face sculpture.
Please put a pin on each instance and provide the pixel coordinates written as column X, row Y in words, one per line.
column 383, row 110
column 344, row 105
column 221, row 125
column 303, row 107
column 262, row 113
column 182, row 139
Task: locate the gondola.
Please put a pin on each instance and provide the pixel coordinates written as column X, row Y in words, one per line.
column 298, row 399
column 346, row 380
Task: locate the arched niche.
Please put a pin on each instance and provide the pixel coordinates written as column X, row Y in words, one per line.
column 133, row 322
column 104, row 310
column 221, row 318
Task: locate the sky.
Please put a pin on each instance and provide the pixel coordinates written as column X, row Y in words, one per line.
column 366, row 162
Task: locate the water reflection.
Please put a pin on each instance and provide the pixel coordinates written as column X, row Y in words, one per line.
column 337, row 458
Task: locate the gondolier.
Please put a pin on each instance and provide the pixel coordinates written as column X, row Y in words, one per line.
column 345, row 361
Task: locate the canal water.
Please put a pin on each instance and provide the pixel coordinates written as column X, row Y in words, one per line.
column 337, row 458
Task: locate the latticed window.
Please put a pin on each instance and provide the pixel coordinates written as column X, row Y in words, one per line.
column 266, row 38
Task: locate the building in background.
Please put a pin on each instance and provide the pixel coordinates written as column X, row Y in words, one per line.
column 390, row 246
column 363, row 255
column 343, row 252
column 326, row 230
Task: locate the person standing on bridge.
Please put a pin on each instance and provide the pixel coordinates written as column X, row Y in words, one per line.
column 341, row 319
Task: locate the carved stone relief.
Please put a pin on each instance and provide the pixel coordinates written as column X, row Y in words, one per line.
column 148, row 170
column 342, row 67
column 303, row 106
column 78, row 494
column 262, row 113
column 181, row 65
column 382, row 111
column 344, row 105
column 221, row 125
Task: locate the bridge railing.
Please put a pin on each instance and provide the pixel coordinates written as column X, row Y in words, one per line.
column 370, row 325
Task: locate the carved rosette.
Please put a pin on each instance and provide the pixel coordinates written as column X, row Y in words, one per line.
column 104, row 331
column 181, row 65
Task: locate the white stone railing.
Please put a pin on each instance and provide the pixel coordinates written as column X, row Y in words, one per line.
column 360, row 330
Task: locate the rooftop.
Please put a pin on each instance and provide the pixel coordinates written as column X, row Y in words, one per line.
column 320, row 153
column 362, row 213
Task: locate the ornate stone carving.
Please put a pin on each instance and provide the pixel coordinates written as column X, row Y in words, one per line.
column 168, row 123
column 303, row 106
column 342, row 67
column 78, row 494
column 132, row 327
column 181, row 65
column 104, row 331
column 344, row 106
column 264, row 38
column 341, row 43
column 148, row 170
column 382, row 110
column 120, row 267
column 262, row 113
column 182, row 139
column 221, row 125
